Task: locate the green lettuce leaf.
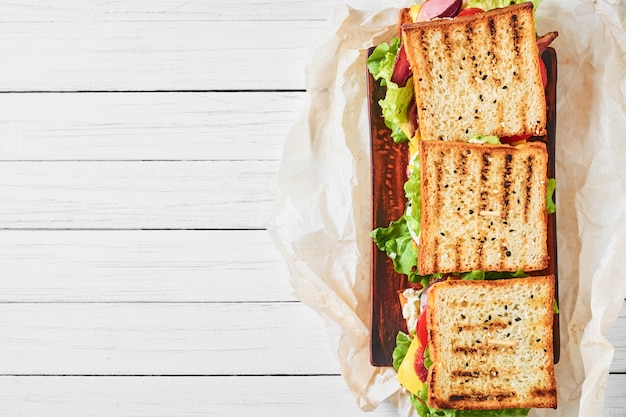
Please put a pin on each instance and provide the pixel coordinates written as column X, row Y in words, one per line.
column 473, row 276
column 395, row 108
column 395, row 105
column 550, row 205
column 493, row 140
column 380, row 62
column 396, row 241
column 403, row 341
column 482, row 275
column 427, row 361
column 412, row 192
column 487, row 5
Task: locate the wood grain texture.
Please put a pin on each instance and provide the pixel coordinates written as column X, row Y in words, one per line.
column 184, row 396
column 132, row 55
column 116, row 338
column 614, row 396
column 183, row 130
column 147, row 126
column 170, row 10
column 616, row 335
column 55, row 266
column 163, row 339
column 137, row 194
column 389, row 173
column 243, row 396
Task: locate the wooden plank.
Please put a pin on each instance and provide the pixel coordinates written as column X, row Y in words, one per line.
column 243, row 396
column 182, row 396
column 163, row 339
column 141, row 126
column 136, row 194
column 614, row 404
column 141, row 266
column 159, row 10
column 164, row 55
column 617, row 336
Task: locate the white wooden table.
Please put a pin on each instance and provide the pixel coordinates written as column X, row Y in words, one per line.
column 140, row 146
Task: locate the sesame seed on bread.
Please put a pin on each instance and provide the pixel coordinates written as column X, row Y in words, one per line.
column 483, row 207
column 477, row 75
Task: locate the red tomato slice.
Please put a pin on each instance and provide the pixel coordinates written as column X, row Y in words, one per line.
column 470, row 11
column 517, row 138
column 422, row 331
column 418, row 365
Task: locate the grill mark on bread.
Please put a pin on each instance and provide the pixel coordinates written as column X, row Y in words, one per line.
column 493, row 59
column 438, row 203
column 478, row 56
column 459, row 255
column 463, row 161
column 516, row 35
column 517, row 39
column 538, row 392
column 492, row 27
column 506, row 185
column 481, row 397
column 484, row 170
column 529, row 184
column 469, row 36
column 447, row 45
column 484, row 198
column 487, row 225
column 491, row 376
column 469, row 32
column 465, row 373
column 491, row 326
column 459, row 246
column 479, row 348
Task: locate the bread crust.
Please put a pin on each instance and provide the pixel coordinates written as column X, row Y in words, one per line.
column 477, row 75
column 404, row 18
column 491, row 344
column 483, row 207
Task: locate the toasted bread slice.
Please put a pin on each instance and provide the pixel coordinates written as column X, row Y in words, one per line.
column 477, row 75
column 491, row 344
column 404, row 18
column 483, row 207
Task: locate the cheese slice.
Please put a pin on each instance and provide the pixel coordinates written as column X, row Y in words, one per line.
column 406, row 372
column 414, row 12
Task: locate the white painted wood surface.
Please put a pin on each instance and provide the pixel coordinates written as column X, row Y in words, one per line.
column 141, row 141
column 189, row 126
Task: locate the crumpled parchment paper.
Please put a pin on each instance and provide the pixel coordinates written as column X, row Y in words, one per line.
column 322, row 215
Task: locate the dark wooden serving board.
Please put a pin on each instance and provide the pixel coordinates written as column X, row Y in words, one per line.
column 389, row 162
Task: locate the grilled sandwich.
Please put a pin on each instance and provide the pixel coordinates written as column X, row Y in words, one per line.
column 491, row 344
column 483, row 207
column 477, row 75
